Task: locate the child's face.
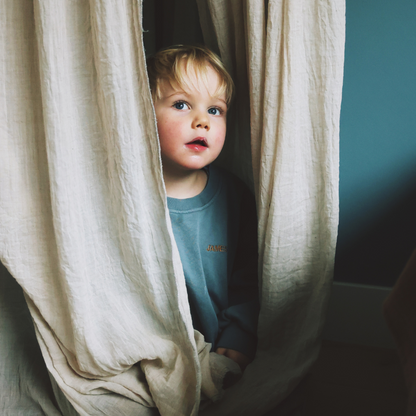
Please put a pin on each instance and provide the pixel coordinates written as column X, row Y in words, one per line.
column 191, row 124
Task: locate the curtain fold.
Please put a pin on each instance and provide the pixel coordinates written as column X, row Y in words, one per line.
column 287, row 56
column 84, row 225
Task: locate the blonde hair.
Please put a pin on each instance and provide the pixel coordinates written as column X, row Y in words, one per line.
column 166, row 65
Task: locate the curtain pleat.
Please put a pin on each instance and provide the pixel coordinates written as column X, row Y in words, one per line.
column 84, row 224
column 287, row 57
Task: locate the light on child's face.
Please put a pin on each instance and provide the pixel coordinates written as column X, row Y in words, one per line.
column 191, row 123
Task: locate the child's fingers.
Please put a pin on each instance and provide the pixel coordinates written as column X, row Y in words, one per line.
column 242, row 360
column 221, row 351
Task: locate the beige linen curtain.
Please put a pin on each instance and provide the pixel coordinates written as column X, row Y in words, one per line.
column 287, row 60
column 84, row 226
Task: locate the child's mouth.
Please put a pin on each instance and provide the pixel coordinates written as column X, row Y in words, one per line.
column 198, row 144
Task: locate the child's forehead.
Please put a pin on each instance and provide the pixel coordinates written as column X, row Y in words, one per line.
column 195, row 76
column 192, row 80
column 195, row 90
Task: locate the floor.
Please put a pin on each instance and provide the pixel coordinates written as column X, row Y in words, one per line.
column 352, row 380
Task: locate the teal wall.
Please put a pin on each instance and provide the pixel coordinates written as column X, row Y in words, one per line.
column 377, row 228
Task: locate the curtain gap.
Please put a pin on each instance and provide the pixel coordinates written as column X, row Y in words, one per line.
column 164, row 22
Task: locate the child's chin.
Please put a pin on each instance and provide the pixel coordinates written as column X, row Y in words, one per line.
column 196, row 166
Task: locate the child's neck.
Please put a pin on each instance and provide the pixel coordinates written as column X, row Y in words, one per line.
column 182, row 185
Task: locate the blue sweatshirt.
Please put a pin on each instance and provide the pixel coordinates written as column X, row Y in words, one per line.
column 216, row 234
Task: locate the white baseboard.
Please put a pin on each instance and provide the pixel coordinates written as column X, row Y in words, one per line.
column 355, row 316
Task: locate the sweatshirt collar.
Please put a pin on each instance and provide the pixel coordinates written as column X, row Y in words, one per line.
column 201, row 200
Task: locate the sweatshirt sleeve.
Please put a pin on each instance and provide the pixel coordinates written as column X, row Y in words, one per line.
column 238, row 322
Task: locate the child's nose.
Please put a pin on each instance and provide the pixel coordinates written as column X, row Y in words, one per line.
column 201, row 121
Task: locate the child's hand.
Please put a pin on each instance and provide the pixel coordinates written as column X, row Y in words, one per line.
column 242, row 360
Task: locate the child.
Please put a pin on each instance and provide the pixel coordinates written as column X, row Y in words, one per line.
column 213, row 214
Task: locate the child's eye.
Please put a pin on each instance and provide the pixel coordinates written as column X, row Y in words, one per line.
column 181, row 105
column 215, row 111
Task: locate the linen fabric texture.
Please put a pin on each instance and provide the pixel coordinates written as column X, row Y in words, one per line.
column 84, row 222
column 286, row 58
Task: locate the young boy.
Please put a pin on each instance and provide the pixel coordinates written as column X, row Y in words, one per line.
column 213, row 214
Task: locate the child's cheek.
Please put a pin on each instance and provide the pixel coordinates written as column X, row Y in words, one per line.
column 169, row 137
column 220, row 136
column 165, row 131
